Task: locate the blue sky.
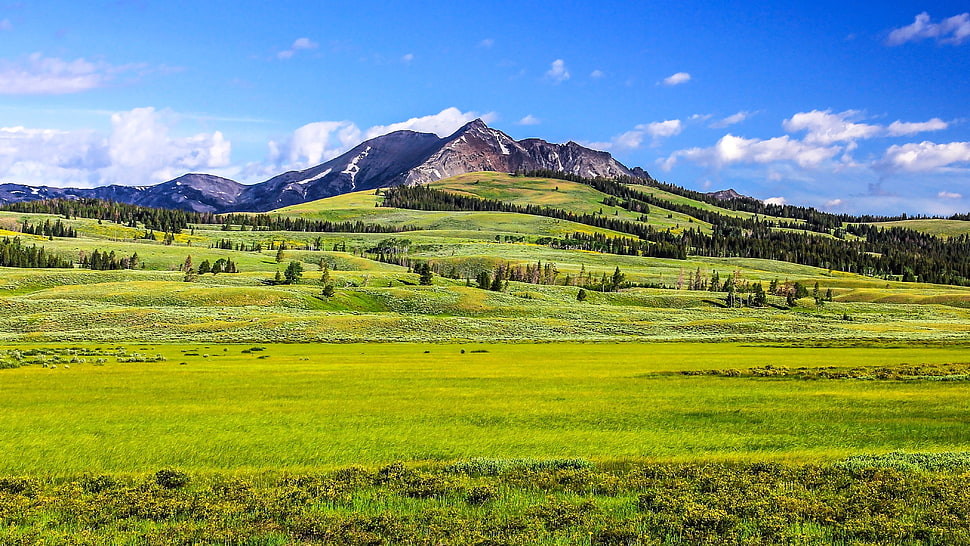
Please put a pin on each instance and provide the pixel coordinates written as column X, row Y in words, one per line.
column 848, row 108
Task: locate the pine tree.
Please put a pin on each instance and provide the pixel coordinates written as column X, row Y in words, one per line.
column 426, row 275
column 293, row 273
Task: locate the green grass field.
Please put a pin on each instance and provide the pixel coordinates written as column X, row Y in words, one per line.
column 521, row 416
column 310, row 407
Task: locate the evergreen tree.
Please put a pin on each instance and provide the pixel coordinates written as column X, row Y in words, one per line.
column 426, row 275
column 617, row 279
column 293, row 273
column 759, row 298
column 484, row 280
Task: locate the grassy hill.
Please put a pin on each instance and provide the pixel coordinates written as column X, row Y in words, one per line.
column 377, row 301
column 931, row 226
column 588, row 397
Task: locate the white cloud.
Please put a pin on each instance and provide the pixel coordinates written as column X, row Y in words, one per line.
column 300, row 44
column 824, row 127
column 633, row 139
column 924, row 157
column 558, row 71
column 315, row 143
column 899, row 128
column 949, row 195
column 442, row 124
column 40, row 75
column 137, row 151
column 663, row 129
column 733, row 119
column 406, row 59
column 141, row 150
column 677, row 79
column 51, row 156
column 834, row 203
column 732, row 149
column 596, row 74
column 775, row 201
column 487, row 43
column 529, row 120
column 953, row 30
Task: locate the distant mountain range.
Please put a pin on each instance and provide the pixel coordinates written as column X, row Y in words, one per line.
column 401, row 157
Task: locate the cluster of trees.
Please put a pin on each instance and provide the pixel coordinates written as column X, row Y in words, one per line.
column 168, row 220
column 222, row 265
column 47, row 229
column 168, row 238
column 291, row 275
column 104, row 261
column 13, row 253
column 547, row 274
column 241, row 246
column 752, row 294
column 499, row 278
column 265, row 222
column 658, row 244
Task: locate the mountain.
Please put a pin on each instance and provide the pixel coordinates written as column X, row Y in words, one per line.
column 193, row 192
column 407, row 157
column 394, row 159
column 476, row 147
column 727, row 195
column 379, row 162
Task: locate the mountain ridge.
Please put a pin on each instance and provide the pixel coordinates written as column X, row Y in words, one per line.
column 399, row 158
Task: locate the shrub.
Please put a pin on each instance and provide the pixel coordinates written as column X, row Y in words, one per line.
column 480, row 494
column 171, row 479
column 97, row 484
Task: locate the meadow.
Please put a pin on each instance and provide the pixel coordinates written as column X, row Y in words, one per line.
column 482, row 444
column 307, row 407
column 151, row 406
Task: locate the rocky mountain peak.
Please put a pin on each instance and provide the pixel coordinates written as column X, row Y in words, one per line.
column 401, row 157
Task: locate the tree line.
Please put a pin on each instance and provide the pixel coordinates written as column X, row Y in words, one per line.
column 815, row 220
column 167, row 220
column 174, row 221
column 894, row 252
column 13, row 253
column 47, row 229
column 265, row 222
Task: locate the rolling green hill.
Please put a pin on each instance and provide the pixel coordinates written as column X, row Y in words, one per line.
column 377, row 296
column 499, row 359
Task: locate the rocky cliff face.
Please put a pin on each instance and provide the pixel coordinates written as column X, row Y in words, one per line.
column 476, row 147
column 401, row 157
